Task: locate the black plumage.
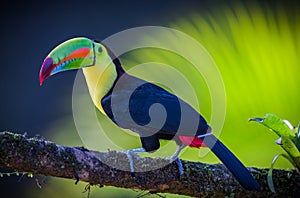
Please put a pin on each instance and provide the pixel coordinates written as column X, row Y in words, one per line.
column 128, row 104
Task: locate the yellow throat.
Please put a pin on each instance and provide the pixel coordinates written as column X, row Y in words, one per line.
column 100, row 79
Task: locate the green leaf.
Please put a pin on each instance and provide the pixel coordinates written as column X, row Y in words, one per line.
column 276, row 124
column 297, row 136
column 288, row 138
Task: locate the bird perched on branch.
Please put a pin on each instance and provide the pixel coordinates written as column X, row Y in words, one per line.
column 140, row 106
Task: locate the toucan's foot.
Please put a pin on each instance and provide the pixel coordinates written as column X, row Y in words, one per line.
column 179, row 163
column 175, row 157
column 180, row 167
column 133, row 153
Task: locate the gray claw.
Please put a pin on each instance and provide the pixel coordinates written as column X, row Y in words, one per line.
column 179, row 163
column 129, row 155
column 133, row 153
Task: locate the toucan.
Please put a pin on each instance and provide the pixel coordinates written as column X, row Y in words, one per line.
column 128, row 102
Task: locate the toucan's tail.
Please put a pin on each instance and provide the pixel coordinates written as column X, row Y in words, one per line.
column 239, row 171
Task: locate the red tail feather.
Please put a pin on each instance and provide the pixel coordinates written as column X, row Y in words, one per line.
column 192, row 141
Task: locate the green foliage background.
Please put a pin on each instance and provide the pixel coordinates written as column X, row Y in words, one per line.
column 256, row 48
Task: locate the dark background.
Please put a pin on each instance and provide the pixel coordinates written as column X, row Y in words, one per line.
column 29, row 30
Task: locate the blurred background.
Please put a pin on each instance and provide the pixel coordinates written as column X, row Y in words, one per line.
column 255, row 44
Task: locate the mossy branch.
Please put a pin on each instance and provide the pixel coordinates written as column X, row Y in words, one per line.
column 39, row 156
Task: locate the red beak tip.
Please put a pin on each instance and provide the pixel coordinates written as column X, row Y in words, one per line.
column 41, row 80
column 46, row 69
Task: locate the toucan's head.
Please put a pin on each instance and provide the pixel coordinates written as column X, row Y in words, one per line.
column 72, row 54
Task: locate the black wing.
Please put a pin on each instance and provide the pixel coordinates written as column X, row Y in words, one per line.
column 148, row 109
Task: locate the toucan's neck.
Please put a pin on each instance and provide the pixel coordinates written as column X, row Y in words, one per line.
column 119, row 68
column 101, row 78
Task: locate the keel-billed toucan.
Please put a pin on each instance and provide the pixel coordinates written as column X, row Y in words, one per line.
column 126, row 100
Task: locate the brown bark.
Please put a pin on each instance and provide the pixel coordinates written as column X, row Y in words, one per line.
column 38, row 156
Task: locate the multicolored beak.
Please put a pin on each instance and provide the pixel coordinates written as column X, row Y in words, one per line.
column 73, row 54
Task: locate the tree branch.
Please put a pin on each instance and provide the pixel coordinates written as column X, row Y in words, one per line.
column 38, row 156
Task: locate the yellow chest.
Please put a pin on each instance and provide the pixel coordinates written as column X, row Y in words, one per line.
column 100, row 79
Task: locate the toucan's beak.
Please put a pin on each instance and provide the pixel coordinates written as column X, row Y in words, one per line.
column 72, row 54
column 49, row 67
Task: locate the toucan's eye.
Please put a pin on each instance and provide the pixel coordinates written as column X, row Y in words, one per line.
column 100, row 49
